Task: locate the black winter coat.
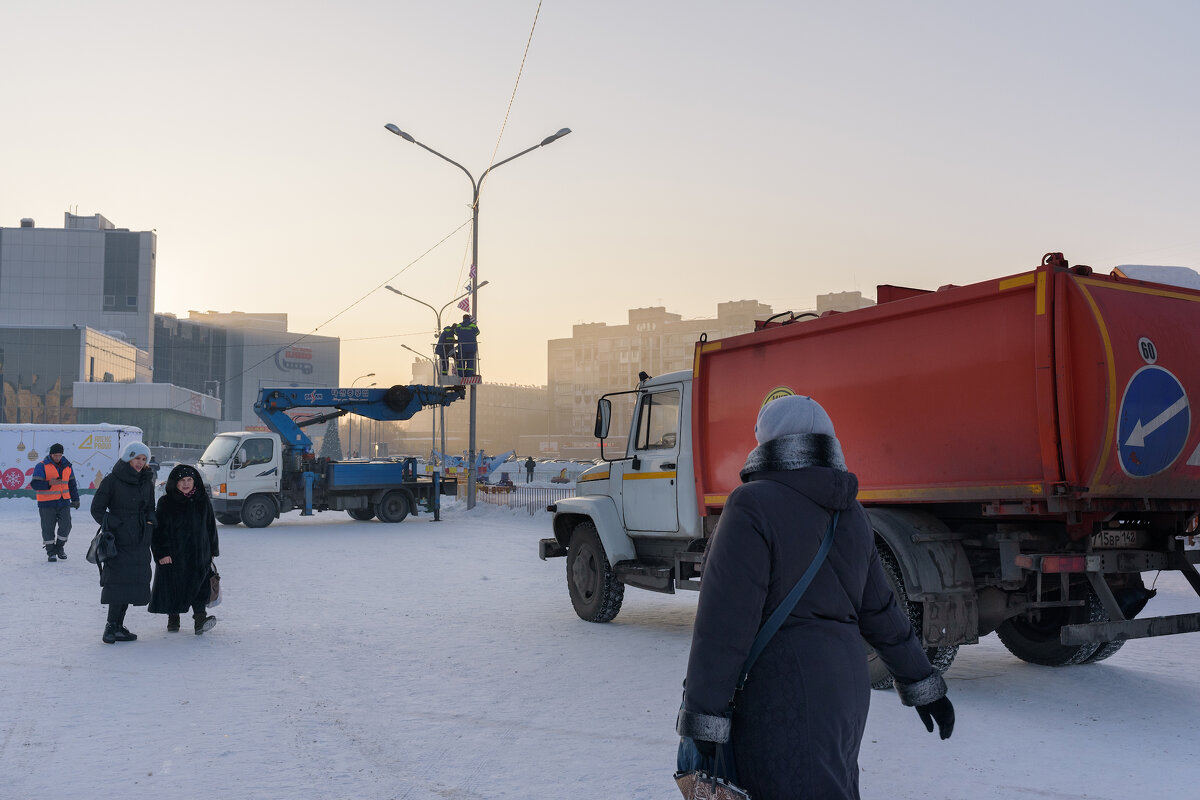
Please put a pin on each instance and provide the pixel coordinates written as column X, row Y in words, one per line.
column 126, row 500
column 187, row 532
column 799, row 720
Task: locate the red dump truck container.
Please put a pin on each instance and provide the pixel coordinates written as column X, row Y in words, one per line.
column 1053, row 392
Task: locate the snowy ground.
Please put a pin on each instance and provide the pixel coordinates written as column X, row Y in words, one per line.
column 442, row 660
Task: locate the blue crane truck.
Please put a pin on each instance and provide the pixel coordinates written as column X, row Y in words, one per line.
column 254, row 476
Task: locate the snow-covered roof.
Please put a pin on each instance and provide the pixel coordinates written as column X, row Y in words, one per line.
column 1172, row 276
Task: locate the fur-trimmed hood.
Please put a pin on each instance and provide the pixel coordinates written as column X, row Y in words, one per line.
column 795, row 451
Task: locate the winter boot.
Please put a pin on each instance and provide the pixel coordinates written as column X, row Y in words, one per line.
column 51, row 551
column 172, row 623
column 110, row 633
column 123, row 634
column 59, row 551
column 204, row 624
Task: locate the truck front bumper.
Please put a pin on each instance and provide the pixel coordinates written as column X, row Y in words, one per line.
column 550, row 548
column 227, row 505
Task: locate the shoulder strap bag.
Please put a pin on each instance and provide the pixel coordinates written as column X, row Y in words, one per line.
column 718, row 780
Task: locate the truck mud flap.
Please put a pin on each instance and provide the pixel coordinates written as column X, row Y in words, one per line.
column 1130, row 629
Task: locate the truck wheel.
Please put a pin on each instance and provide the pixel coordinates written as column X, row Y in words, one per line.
column 361, row 514
column 392, row 507
column 258, row 512
column 940, row 657
column 595, row 591
column 228, row 519
column 1036, row 640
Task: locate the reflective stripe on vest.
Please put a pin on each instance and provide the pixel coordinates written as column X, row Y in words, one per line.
column 60, row 485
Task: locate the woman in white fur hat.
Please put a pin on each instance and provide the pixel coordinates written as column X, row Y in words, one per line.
column 124, row 504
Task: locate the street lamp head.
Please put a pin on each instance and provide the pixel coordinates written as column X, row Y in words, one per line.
column 392, row 127
column 558, row 135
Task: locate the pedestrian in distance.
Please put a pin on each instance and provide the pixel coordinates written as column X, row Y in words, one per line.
column 445, row 348
column 529, row 465
column 466, row 355
column 184, row 544
column 798, row 722
column 57, row 493
column 124, row 504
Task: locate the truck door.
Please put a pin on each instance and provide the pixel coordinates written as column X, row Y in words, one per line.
column 255, row 466
column 648, row 484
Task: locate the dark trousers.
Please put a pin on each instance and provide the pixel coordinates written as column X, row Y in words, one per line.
column 116, row 613
column 464, row 363
column 529, row 476
column 55, row 516
column 443, row 357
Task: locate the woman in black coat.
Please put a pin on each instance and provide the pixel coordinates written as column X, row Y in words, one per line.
column 124, row 504
column 184, row 545
column 798, row 723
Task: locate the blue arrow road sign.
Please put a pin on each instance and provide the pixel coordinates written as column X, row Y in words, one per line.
column 1154, row 422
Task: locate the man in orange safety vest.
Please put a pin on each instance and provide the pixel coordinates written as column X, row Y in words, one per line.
column 57, row 493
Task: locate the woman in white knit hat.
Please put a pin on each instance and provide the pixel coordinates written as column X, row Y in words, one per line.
column 797, row 724
column 124, row 504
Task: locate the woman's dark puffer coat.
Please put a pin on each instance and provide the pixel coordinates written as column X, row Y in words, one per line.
column 126, row 499
column 187, row 532
column 799, row 721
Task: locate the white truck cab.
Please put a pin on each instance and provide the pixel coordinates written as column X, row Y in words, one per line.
column 634, row 520
column 242, row 470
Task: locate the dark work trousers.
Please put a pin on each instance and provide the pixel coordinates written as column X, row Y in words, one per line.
column 116, row 613
column 52, row 516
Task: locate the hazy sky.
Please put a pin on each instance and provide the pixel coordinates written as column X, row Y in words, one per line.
column 721, row 151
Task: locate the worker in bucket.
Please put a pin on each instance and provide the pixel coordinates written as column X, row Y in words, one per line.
column 57, row 493
column 467, row 353
column 797, row 723
column 444, row 349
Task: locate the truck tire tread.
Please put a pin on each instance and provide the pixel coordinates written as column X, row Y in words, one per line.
column 595, row 591
column 939, row 657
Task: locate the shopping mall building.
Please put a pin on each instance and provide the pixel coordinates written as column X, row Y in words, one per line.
column 80, row 342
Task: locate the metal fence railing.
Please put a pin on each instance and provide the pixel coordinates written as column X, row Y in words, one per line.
column 531, row 498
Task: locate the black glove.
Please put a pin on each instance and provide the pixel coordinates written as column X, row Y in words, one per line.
column 707, row 749
column 941, row 711
column 75, row 504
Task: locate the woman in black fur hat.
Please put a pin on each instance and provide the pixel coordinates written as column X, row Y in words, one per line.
column 184, row 545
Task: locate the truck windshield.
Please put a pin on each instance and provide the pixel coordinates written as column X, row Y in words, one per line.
column 219, row 451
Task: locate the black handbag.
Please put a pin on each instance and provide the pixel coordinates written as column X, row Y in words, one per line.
column 103, row 545
column 701, row 778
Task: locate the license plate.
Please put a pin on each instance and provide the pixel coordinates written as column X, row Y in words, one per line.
column 1119, row 538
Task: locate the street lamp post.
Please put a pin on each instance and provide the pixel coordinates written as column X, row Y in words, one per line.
column 475, row 188
column 433, row 417
column 350, row 422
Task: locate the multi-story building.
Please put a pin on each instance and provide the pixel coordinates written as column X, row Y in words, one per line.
column 601, row 358
column 234, row 355
column 77, row 308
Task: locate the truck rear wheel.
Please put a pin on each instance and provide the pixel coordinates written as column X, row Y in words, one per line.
column 1034, row 638
column 361, row 514
column 595, row 591
column 392, row 507
column 940, row 657
column 228, row 519
column 258, row 512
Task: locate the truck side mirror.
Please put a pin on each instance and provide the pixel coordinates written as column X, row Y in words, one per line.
column 603, row 417
column 239, row 458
